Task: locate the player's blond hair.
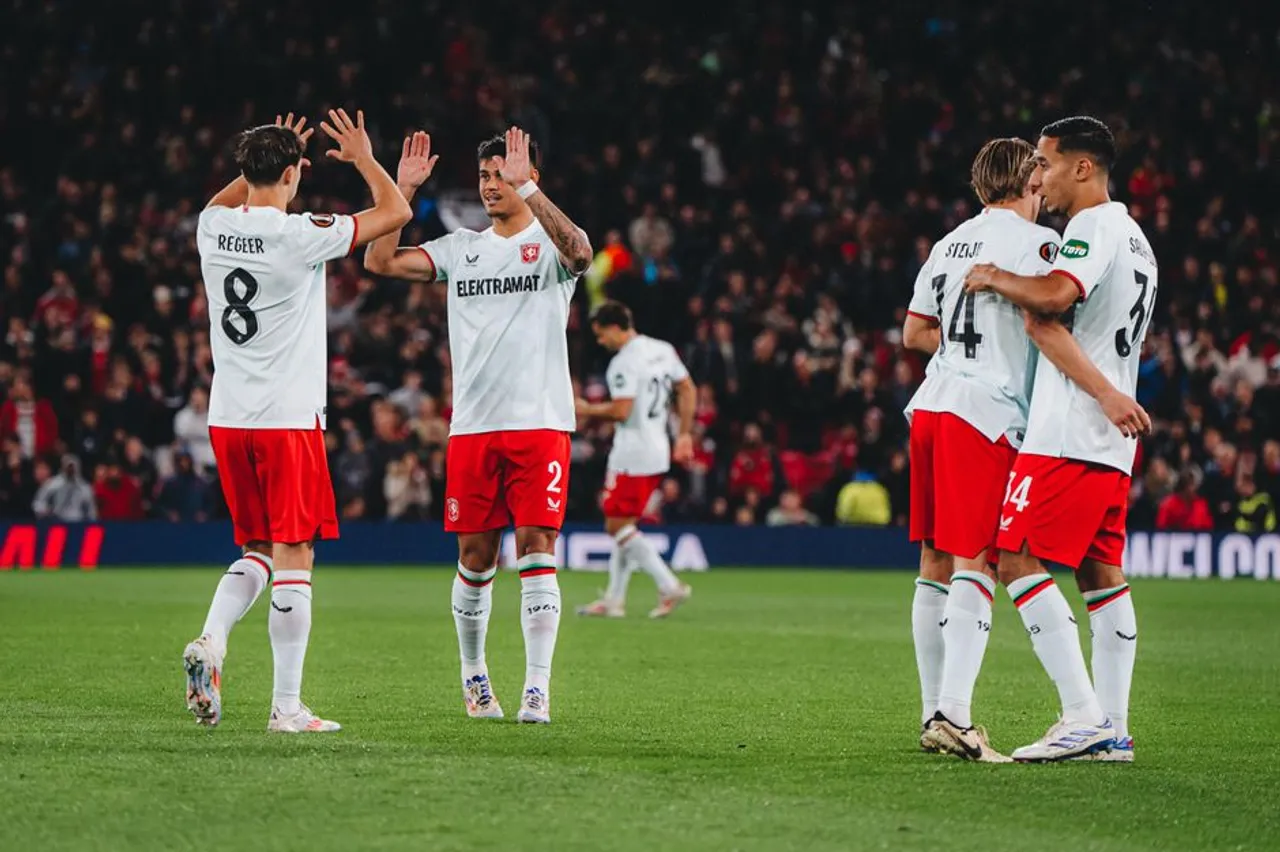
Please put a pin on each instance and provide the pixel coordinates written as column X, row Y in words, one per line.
column 1001, row 170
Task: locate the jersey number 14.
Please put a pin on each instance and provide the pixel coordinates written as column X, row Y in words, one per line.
column 967, row 336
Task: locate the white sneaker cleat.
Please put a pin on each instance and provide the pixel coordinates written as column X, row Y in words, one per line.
column 203, row 665
column 667, row 603
column 1066, row 740
column 967, row 743
column 1121, row 751
column 535, row 707
column 603, row 608
column 477, row 694
column 928, row 738
column 302, row 722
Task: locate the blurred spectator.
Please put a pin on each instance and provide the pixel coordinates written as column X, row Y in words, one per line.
column 29, row 419
column 790, row 512
column 64, row 496
column 17, row 485
column 753, row 467
column 184, row 495
column 191, row 429
column 117, row 494
column 1255, row 511
column 406, row 489
column 1185, row 509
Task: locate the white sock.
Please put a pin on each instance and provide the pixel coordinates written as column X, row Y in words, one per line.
column 236, row 593
column 926, row 611
column 290, row 627
column 472, row 604
column 619, row 577
column 967, row 617
column 640, row 551
column 539, row 617
column 1115, row 644
column 1056, row 640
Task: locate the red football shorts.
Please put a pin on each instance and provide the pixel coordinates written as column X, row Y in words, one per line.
column 277, row 484
column 627, row 496
column 958, row 479
column 496, row 479
column 1065, row 510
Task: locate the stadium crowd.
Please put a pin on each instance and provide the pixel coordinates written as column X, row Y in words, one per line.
column 760, row 187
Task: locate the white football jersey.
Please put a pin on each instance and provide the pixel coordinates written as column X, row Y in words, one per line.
column 1108, row 257
column 645, row 370
column 264, row 278
column 983, row 367
column 508, row 308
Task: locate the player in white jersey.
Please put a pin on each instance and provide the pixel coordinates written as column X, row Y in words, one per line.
column 1069, row 491
column 509, row 288
column 967, row 419
column 263, row 272
column 641, row 378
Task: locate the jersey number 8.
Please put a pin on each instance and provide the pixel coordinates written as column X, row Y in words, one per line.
column 238, row 305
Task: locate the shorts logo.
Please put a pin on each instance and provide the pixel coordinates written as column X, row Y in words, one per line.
column 451, row 509
column 529, row 252
column 321, row 220
column 1048, row 252
column 1075, row 249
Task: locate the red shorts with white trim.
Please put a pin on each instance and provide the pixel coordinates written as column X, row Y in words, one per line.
column 277, row 484
column 958, row 479
column 496, row 479
column 627, row 496
column 1065, row 511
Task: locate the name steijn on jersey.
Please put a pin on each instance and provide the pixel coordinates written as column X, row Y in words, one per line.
column 497, row 286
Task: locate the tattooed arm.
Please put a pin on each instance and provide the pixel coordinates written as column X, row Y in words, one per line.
column 570, row 240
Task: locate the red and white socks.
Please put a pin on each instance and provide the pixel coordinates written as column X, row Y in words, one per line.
column 290, row 627
column 638, row 550
column 472, row 606
column 1056, row 641
column 926, row 616
column 539, row 616
column 966, row 627
column 237, row 591
column 1115, row 644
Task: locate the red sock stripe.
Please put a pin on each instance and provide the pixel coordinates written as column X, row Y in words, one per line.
column 1026, row 597
column 261, row 563
column 291, row 583
column 1094, row 606
column 475, row 584
column 986, row 593
column 536, row 571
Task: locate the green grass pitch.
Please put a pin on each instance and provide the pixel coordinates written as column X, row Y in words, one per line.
column 777, row 711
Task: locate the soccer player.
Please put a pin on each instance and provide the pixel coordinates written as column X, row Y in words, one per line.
column 264, row 277
column 966, row 420
column 509, row 289
column 641, row 378
column 1068, row 494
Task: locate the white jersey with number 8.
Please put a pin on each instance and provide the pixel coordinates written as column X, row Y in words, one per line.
column 1108, row 257
column 981, row 372
column 264, row 279
column 644, row 370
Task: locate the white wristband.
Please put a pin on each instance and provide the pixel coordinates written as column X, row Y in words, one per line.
column 526, row 189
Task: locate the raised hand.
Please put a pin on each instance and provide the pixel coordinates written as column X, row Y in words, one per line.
column 416, row 161
column 353, row 141
column 297, row 127
column 981, row 277
column 516, row 168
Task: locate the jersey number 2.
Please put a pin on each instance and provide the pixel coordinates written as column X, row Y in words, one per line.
column 238, row 305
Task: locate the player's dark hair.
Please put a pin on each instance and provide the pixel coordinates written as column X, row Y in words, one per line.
column 612, row 313
column 497, row 147
column 263, row 153
column 1083, row 134
column 1001, row 169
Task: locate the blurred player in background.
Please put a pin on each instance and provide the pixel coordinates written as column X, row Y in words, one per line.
column 967, row 419
column 264, row 277
column 509, row 289
column 641, row 378
column 1068, row 494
